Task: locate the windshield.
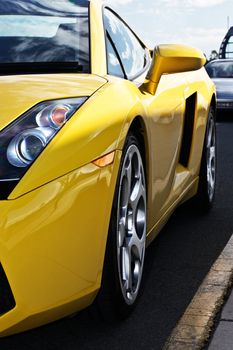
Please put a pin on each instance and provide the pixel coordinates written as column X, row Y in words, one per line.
column 44, row 35
column 220, row 69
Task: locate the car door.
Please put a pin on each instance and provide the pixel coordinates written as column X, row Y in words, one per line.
column 167, row 111
column 128, row 58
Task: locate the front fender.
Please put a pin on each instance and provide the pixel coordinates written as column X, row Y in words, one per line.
column 97, row 128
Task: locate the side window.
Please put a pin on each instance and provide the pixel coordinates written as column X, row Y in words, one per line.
column 114, row 67
column 131, row 52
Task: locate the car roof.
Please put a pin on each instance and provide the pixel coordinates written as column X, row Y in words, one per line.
column 222, row 60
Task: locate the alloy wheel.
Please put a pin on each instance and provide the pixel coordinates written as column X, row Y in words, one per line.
column 131, row 224
column 211, row 157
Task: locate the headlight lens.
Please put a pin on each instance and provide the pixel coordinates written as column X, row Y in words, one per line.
column 22, row 141
column 54, row 116
column 26, row 146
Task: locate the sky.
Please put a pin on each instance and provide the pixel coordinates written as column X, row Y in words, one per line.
column 199, row 23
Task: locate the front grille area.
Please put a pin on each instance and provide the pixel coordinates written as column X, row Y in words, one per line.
column 7, row 301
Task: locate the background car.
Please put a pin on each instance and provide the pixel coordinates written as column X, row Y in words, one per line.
column 100, row 141
column 221, row 72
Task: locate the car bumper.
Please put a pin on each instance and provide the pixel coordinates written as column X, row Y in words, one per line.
column 224, row 105
column 52, row 245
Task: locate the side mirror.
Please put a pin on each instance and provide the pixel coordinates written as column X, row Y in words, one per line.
column 168, row 59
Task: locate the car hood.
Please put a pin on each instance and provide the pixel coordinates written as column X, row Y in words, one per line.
column 21, row 92
column 224, row 87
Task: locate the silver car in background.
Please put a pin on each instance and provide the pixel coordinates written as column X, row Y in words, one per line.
column 221, row 72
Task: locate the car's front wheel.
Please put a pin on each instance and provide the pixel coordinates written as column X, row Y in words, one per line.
column 125, row 249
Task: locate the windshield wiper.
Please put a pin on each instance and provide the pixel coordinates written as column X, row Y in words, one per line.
column 39, row 67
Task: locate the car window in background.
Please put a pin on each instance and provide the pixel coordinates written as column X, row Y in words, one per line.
column 133, row 55
column 220, row 69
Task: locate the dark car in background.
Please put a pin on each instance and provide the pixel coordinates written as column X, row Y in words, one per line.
column 221, row 72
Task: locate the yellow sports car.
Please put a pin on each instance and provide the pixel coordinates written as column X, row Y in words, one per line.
column 101, row 138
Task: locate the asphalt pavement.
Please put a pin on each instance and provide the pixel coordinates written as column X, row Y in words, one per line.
column 176, row 264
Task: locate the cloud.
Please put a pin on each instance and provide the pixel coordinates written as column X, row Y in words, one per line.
column 174, row 3
column 199, row 23
column 191, row 3
column 202, row 38
column 118, row 2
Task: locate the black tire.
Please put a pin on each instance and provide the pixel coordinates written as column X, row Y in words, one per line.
column 207, row 177
column 125, row 250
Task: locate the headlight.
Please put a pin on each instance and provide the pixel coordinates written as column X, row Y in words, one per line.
column 22, row 141
column 25, row 147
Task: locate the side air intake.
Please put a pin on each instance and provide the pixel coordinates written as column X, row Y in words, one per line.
column 188, row 129
column 7, row 301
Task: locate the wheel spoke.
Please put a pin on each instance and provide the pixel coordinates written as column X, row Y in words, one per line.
column 137, row 246
column 210, row 133
column 212, row 152
column 126, row 269
column 136, row 193
column 121, row 232
column 126, row 185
